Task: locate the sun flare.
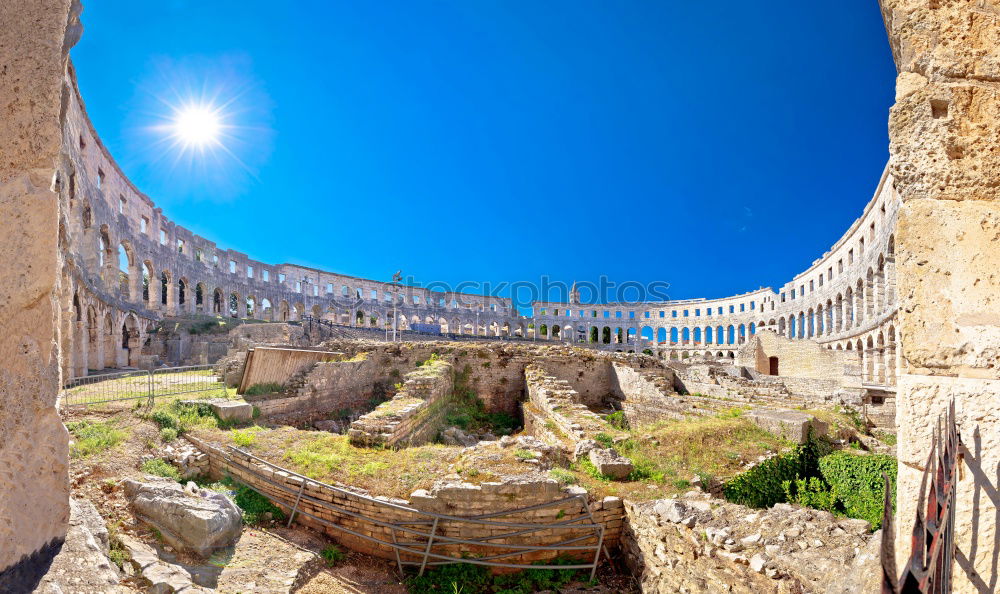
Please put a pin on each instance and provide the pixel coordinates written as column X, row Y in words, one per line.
column 197, row 126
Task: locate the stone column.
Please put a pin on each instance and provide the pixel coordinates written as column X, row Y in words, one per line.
column 156, row 293
column 171, row 307
column 34, row 489
column 945, row 165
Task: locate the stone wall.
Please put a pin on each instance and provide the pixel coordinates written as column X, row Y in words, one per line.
column 803, row 360
column 35, row 38
column 327, row 387
column 276, row 365
column 644, row 395
column 414, row 415
column 945, row 162
column 361, row 512
column 702, row 545
column 558, row 406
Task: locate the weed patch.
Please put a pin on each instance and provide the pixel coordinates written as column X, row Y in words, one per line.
column 93, row 437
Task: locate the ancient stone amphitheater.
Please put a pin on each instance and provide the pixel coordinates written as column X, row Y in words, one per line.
column 99, row 266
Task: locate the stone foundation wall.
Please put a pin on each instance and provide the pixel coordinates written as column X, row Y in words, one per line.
column 458, row 499
column 327, row 387
column 703, row 545
column 645, row 395
column 415, row 413
column 559, row 403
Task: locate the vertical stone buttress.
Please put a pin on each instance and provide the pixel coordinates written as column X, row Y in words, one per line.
column 944, row 135
column 35, row 37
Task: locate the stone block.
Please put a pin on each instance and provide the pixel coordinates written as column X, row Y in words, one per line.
column 609, row 463
column 787, row 424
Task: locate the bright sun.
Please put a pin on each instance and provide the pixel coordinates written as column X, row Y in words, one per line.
column 197, row 126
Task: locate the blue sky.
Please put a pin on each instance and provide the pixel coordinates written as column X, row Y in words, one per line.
column 719, row 147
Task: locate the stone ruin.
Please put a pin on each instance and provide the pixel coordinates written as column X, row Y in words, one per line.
column 922, row 331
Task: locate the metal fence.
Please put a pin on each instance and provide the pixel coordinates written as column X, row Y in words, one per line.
column 140, row 385
column 420, row 537
column 929, row 567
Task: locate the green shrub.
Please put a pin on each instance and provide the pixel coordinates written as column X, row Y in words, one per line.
column 763, row 485
column 813, row 492
column 564, row 477
column 857, row 481
column 333, row 555
column 160, row 467
column 266, row 388
column 604, row 439
column 252, row 504
column 466, row 578
column 525, row 455
column 168, row 434
column 467, row 411
column 165, row 419
column 245, row 437
column 92, row 437
column 617, row 420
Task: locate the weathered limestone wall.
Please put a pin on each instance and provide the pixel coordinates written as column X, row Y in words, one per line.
column 276, row 365
column 696, row 545
column 801, row 359
column 458, row 499
column 414, row 415
column 945, row 159
column 644, row 395
column 557, row 406
column 327, row 387
column 35, row 37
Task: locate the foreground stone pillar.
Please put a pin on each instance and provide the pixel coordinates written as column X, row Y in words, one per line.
column 945, row 163
column 35, row 37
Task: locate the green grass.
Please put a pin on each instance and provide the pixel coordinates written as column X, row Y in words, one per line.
column 525, row 454
column 331, row 458
column 160, row 467
column 183, row 417
column 669, row 453
column 94, row 437
column 267, row 388
column 246, row 437
column 332, row 555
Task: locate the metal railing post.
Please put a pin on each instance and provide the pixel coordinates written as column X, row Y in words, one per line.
column 295, row 507
column 149, row 384
column 430, row 543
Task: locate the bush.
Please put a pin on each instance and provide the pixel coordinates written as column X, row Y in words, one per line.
column 92, row 437
column 168, row 434
column 252, row 504
column 812, row 492
column 564, row 477
column 858, row 484
column 617, row 420
column 763, row 485
column 165, row 419
column 160, row 467
column 333, row 555
column 604, row 439
column 244, row 437
column 466, row 578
